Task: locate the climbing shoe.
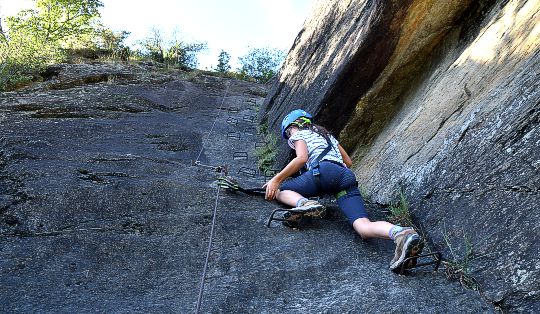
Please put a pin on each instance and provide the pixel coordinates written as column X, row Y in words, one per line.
column 408, row 244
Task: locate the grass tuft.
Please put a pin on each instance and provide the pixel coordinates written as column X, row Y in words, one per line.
column 459, row 266
column 399, row 212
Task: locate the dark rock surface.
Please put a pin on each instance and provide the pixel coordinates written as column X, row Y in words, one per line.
column 337, row 38
column 445, row 105
column 102, row 211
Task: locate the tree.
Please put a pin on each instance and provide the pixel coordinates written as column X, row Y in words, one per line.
column 261, row 63
column 185, row 54
column 54, row 20
column 113, row 42
column 171, row 52
column 153, row 46
column 35, row 38
column 3, row 37
column 223, row 62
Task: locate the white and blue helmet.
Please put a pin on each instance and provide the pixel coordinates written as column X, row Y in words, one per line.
column 290, row 118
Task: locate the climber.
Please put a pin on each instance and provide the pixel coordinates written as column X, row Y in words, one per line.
column 328, row 172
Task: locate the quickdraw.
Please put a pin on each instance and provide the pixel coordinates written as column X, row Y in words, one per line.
column 230, row 184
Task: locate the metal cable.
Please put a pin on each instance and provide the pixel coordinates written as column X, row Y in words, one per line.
column 212, row 227
column 213, row 124
column 201, row 289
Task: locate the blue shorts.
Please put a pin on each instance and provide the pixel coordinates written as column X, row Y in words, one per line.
column 333, row 180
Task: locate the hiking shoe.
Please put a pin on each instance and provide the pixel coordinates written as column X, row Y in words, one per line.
column 408, row 244
column 310, row 208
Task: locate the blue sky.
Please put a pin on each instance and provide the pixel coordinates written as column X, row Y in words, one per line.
column 231, row 25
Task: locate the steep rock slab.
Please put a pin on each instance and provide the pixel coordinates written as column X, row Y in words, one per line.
column 100, row 207
column 344, row 49
column 465, row 146
column 445, row 104
column 104, row 212
column 337, row 39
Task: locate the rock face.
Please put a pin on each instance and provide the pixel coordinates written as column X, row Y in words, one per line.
column 101, row 209
column 440, row 99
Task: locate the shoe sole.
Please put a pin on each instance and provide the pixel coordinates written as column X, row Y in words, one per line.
column 292, row 220
column 296, row 214
column 291, row 224
column 310, row 210
column 415, row 251
column 412, row 247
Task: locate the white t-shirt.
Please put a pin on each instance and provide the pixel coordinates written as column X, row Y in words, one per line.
column 316, row 144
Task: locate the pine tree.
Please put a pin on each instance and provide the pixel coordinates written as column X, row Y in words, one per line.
column 223, row 62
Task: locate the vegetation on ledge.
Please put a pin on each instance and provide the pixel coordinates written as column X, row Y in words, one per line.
column 70, row 31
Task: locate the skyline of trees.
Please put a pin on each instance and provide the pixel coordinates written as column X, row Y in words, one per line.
column 34, row 38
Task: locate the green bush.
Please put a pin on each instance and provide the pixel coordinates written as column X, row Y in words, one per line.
column 399, row 212
column 266, row 155
column 113, row 43
column 23, row 61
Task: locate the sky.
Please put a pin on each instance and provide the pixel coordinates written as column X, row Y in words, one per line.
column 231, row 25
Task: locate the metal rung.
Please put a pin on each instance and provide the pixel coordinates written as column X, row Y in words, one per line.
column 240, row 156
column 260, row 145
column 233, row 135
column 233, row 109
column 274, row 218
column 436, row 260
column 248, row 118
column 232, row 121
column 284, row 210
column 248, row 171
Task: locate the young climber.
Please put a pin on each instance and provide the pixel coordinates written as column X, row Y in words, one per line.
column 328, row 173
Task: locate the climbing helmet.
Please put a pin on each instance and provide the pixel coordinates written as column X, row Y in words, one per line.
column 291, row 119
